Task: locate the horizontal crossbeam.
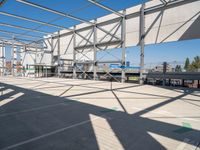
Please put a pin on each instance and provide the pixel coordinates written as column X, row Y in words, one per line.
column 31, row 20
column 53, row 11
column 106, row 8
column 23, row 28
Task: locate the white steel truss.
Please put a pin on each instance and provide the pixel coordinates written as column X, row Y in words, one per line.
column 87, row 45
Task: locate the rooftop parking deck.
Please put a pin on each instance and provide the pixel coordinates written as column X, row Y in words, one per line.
column 55, row 113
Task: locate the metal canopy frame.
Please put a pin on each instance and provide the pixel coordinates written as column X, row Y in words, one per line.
column 23, row 28
column 31, row 20
column 91, row 44
column 54, row 11
column 106, row 8
column 19, row 34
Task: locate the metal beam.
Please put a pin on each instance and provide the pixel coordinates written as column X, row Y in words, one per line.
column 149, row 10
column 74, row 54
column 25, row 40
column 106, row 8
column 163, row 1
column 2, row 58
column 95, row 52
column 17, row 43
column 109, row 61
column 51, row 45
column 54, row 11
column 35, row 61
column 123, row 38
column 142, row 36
column 98, row 45
column 168, row 5
column 108, row 32
column 23, row 28
column 59, row 65
column 19, row 34
column 7, row 41
column 32, row 20
column 17, row 39
column 12, row 57
column 15, row 60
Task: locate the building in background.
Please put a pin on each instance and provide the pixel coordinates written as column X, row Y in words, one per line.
column 160, row 68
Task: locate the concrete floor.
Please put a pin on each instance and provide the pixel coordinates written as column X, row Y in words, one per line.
column 67, row 114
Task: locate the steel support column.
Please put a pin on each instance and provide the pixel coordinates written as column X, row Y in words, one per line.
column 15, row 60
column 3, row 59
column 23, row 53
column 51, row 44
column 95, row 52
column 35, row 62
column 123, row 37
column 74, row 54
column 142, row 42
column 59, row 66
column 20, row 60
column 12, row 58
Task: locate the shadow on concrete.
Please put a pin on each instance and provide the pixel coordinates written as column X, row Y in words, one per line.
column 189, row 33
column 41, row 121
column 193, row 31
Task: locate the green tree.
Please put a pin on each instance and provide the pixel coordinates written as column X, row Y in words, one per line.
column 178, row 68
column 187, row 64
column 196, row 62
column 191, row 67
column 195, row 65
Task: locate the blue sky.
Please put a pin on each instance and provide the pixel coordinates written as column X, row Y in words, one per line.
column 175, row 51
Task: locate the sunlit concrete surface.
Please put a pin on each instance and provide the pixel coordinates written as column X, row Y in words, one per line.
column 55, row 113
